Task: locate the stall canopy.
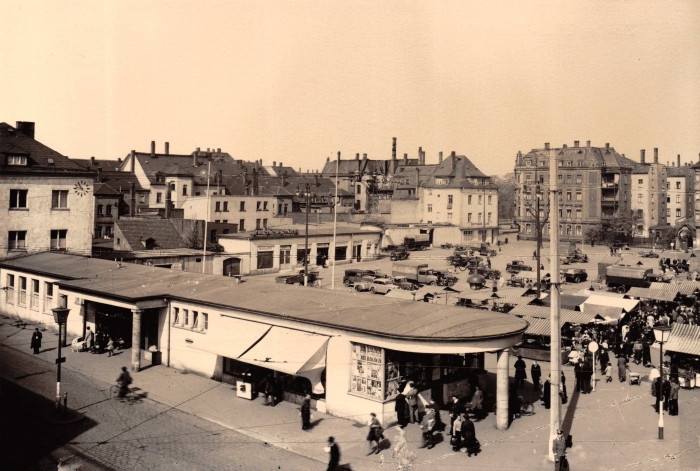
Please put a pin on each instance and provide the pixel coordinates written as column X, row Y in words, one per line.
column 544, row 312
column 290, row 351
column 542, row 327
column 596, row 301
column 655, row 294
column 605, row 312
column 685, row 338
column 234, row 338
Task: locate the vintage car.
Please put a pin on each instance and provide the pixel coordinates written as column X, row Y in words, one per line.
column 576, row 275
column 365, row 283
column 352, row 275
column 403, row 283
column 297, row 278
column 400, row 254
column 648, row 254
column 382, row 285
column 446, row 246
column 516, row 266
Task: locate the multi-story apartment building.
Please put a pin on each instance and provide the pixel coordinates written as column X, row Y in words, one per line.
column 680, row 189
column 649, row 185
column 46, row 199
column 594, row 183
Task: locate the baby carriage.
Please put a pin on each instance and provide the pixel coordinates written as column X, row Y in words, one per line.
column 78, row 344
column 634, row 379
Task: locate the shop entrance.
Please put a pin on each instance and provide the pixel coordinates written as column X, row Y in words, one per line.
column 115, row 322
column 357, row 252
column 321, row 256
column 232, row 266
column 285, row 257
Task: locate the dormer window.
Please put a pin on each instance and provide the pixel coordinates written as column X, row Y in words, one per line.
column 18, row 160
column 441, row 181
column 527, row 163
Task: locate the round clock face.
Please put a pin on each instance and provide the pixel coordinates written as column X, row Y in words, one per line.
column 81, row 188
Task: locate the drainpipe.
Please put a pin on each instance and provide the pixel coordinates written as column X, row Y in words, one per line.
column 167, row 363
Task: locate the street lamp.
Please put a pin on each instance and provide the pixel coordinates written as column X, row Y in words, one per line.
column 306, row 193
column 60, row 316
column 539, row 224
column 662, row 334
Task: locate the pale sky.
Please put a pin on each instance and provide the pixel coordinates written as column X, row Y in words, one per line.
column 298, row 81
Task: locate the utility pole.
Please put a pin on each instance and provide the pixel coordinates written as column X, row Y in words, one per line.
column 555, row 348
column 335, row 218
column 539, row 225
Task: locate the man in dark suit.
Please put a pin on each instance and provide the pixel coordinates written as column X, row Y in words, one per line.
column 36, row 341
column 334, row 454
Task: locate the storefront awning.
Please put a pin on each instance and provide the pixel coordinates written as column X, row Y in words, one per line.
column 293, row 352
column 232, row 338
column 685, row 338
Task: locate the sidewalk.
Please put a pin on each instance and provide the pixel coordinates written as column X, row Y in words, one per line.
column 613, row 428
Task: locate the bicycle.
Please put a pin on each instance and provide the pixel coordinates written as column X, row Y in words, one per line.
column 131, row 397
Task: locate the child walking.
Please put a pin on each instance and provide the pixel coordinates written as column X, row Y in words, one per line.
column 608, row 373
column 110, row 346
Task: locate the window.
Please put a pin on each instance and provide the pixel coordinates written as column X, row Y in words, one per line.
column 527, row 178
column 528, row 228
column 560, row 177
column 578, row 214
column 527, row 163
column 469, row 217
column 226, row 231
column 184, row 190
column 578, row 230
column 142, row 198
column 430, row 208
column 176, row 316
column 578, row 178
column 479, row 216
column 241, row 225
column 172, row 186
column 257, row 205
column 212, row 236
column 264, row 205
column 22, row 301
column 668, row 212
column 225, row 221
column 226, row 206
column 668, row 199
column 17, row 160
column 264, row 224
column 17, row 240
column 218, row 207
column 678, row 212
column 242, row 206
column 469, row 199
column 159, row 197
column 185, row 317
column 119, row 241
column 568, row 178
column 34, row 295
column 98, row 232
column 204, row 322
column 449, row 216
column 58, row 239
column 678, row 198
column 640, row 198
column 578, row 196
column 100, row 210
column 488, row 217
column 652, row 214
column 10, row 289
column 257, row 224
column 265, row 259
column 358, row 190
column 108, row 209
column 479, row 199
column 678, row 185
column 59, row 199
column 48, row 296
column 568, row 214
column 18, row 199
column 449, row 199
column 568, row 196
column 195, row 319
column 490, row 199
column 652, row 198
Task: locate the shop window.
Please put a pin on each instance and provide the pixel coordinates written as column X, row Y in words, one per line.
column 367, row 371
column 59, row 199
column 341, row 253
column 10, row 289
column 18, row 199
column 48, row 296
column 264, row 260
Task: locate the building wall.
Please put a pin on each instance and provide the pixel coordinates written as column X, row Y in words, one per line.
column 679, row 201
column 105, row 221
column 38, row 219
column 196, row 208
column 406, row 211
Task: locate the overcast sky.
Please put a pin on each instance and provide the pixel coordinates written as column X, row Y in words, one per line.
column 299, row 81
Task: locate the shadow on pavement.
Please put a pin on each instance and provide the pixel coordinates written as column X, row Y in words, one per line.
column 568, row 420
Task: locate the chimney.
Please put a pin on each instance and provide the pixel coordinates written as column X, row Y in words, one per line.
column 316, row 183
column 575, row 143
column 274, row 164
column 328, row 159
column 245, row 181
column 220, row 178
column 405, row 159
column 92, row 161
column 364, row 156
column 656, row 155
column 26, row 128
column 99, row 174
column 153, row 148
column 218, row 151
column 132, row 162
column 420, row 156
column 281, row 165
column 546, row 146
column 440, row 158
column 357, row 156
column 678, row 159
column 167, row 148
column 195, row 160
column 255, row 182
column 417, row 180
column 168, row 201
column 393, row 148
column 284, row 179
column 564, row 146
column 453, row 160
column 119, row 160
column 261, row 164
column 642, row 158
column 607, row 145
column 132, row 200
column 588, row 143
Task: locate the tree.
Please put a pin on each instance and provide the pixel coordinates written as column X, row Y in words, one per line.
column 618, row 230
column 506, row 195
column 193, row 239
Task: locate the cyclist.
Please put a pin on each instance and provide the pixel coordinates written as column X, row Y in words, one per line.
column 123, row 381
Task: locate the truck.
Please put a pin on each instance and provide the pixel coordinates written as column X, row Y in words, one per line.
column 417, row 242
column 418, row 273
column 622, row 278
column 516, row 266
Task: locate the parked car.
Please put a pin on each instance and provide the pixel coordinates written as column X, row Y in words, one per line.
column 382, row 285
column 352, row 275
column 649, row 254
column 401, row 254
column 364, row 284
column 403, row 283
column 297, row 278
column 516, row 266
column 446, row 246
column 576, row 275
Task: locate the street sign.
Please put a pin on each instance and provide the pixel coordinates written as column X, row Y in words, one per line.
column 593, row 347
column 60, row 360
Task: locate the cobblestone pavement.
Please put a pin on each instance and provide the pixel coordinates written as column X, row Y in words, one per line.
column 145, row 435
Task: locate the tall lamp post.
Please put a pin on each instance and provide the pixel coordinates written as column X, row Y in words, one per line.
column 662, row 334
column 60, row 315
column 539, row 225
column 306, row 193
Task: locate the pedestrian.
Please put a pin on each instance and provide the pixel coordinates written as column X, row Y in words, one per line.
column 123, row 381
column 456, row 433
column 578, row 375
column 306, row 413
column 333, row 454
column 90, row 340
column 488, row 263
column 375, row 434
column 608, row 373
column 469, row 440
column 411, row 394
column 110, row 347
column 547, row 392
column 477, row 403
column 535, row 374
column 559, row 449
column 673, row 397
column 506, row 240
column 36, row 341
column 666, row 392
column 604, row 359
column 456, row 409
column 622, row 367
column 520, row 372
column 400, row 406
column 534, row 254
column 427, row 426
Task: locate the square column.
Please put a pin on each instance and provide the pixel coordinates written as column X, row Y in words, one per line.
column 502, row 380
column 136, row 340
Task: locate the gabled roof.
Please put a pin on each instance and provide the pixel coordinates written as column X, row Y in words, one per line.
column 601, row 156
column 13, row 141
column 457, row 171
column 679, row 172
column 103, row 189
column 161, row 231
column 121, row 181
column 108, row 165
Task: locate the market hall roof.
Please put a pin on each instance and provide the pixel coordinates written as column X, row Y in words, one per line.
column 393, row 319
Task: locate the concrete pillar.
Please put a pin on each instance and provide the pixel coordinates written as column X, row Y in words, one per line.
column 502, row 381
column 136, row 340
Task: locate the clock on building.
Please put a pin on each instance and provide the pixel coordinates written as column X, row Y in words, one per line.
column 81, row 188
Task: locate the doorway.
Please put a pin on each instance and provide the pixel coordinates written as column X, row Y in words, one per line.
column 232, row 266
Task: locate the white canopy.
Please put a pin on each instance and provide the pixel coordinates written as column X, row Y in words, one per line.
column 597, row 300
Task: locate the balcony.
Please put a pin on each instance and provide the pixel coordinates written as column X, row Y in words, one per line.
column 609, row 185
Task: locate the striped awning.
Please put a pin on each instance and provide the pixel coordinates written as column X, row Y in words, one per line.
column 487, row 293
column 538, row 326
column 688, row 288
column 543, row 312
column 655, row 294
column 661, row 286
column 685, row 338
